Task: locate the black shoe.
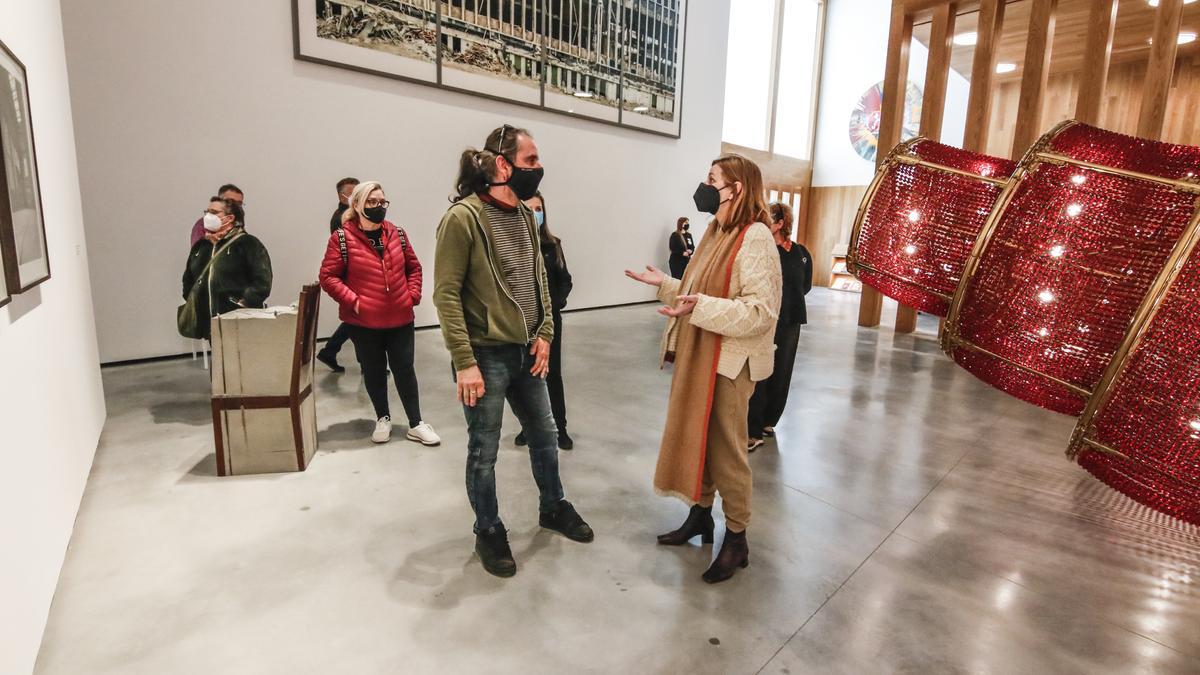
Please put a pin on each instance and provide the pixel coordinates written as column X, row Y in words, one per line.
column 494, row 553
column 565, row 442
column 699, row 522
column 735, row 554
column 564, row 520
column 330, row 360
column 521, row 440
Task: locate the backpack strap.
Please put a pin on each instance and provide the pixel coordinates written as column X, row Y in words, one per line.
column 403, row 239
column 341, row 234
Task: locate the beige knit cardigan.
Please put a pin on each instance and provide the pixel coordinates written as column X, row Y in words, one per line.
column 746, row 321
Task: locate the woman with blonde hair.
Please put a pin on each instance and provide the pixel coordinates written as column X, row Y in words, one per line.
column 372, row 272
column 721, row 321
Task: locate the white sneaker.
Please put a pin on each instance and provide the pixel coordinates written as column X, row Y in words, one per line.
column 383, row 430
column 424, row 434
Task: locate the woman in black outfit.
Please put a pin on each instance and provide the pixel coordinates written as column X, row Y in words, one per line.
column 770, row 395
column 559, row 279
column 682, row 248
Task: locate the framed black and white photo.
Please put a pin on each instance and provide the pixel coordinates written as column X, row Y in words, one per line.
column 618, row 62
column 23, row 254
column 393, row 38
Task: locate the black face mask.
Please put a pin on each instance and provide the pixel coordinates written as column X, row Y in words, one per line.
column 707, row 198
column 375, row 214
column 524, row 182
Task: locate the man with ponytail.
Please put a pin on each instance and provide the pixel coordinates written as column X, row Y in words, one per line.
column 493, row 301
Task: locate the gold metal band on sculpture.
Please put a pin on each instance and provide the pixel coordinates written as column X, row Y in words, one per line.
column 896, row 277
column 1173, row 183
column 1146, row 311
column 916, row 161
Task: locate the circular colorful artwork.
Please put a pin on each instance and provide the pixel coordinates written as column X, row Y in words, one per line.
column 864, row 121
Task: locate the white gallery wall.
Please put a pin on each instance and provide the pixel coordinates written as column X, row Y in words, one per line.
column 51, row 402
column 173, row 98
column 856, row 34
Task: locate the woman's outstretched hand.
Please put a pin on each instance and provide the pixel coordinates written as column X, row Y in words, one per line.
column 684, row 306
column 651, row 277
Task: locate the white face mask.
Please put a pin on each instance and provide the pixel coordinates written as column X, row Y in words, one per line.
column 212, row 223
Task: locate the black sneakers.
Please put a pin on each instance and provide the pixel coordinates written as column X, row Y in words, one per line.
column 565, row 442
column 494, row 552
column 567, row 522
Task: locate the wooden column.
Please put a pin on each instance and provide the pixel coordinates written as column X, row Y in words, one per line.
column 933, row 107
column 983, row 73
column 1097, row 54
column 895, row 84
column 1037, row 71
column 1161, row 67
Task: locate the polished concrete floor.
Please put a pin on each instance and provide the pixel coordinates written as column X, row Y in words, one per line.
column 908, row 519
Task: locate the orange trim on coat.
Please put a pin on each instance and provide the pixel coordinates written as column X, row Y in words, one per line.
column 712, row 378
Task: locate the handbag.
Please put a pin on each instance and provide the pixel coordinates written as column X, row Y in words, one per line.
column 187, row 322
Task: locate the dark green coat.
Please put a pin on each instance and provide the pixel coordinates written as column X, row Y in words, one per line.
column 241, row 276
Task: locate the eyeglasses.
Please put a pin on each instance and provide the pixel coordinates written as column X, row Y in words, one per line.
column 376, row 203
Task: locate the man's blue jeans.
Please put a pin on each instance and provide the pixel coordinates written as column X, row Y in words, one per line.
column 506, row 375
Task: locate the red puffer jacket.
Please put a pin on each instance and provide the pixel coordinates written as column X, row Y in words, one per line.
column 386, row 287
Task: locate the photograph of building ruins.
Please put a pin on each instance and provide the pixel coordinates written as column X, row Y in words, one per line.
column 614, row 53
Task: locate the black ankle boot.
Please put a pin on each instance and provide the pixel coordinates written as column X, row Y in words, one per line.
column 735, row 553
column 699, row 522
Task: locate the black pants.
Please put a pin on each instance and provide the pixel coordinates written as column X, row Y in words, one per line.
column 381, row 348
column 554, row 381
column 339, row 337
column 678, row 266
column 770, row 395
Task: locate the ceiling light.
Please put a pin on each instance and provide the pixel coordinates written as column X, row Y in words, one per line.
column 966, row 39
column 584, row 94
column 1181, row 39
column 1002, row 68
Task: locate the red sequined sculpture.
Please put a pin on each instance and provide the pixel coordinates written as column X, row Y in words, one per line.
column 920, row 219
column 1079, row 293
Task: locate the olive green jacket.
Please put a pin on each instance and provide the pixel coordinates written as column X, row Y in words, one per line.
column 473, row 300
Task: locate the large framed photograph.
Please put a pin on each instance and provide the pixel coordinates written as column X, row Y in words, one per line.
column 652, row 74
column 618, row 62
column 23, row 255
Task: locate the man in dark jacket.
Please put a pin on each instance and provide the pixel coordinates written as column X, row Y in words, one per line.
column 240, row 271
column 492, row 297
column 329, row 353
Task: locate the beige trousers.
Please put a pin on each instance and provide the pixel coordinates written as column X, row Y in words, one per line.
column 727, row 466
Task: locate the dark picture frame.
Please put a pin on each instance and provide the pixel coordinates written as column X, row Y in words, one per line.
column 432, row 29
column 24, row 253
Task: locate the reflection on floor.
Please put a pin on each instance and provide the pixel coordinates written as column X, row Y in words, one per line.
column 908, row 518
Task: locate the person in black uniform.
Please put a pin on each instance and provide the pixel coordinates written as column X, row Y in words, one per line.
column 329, row 353
column 559, row 278
column 770, row 395
column 682, row 248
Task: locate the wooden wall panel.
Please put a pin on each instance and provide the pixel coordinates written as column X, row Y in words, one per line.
column 831, row 213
